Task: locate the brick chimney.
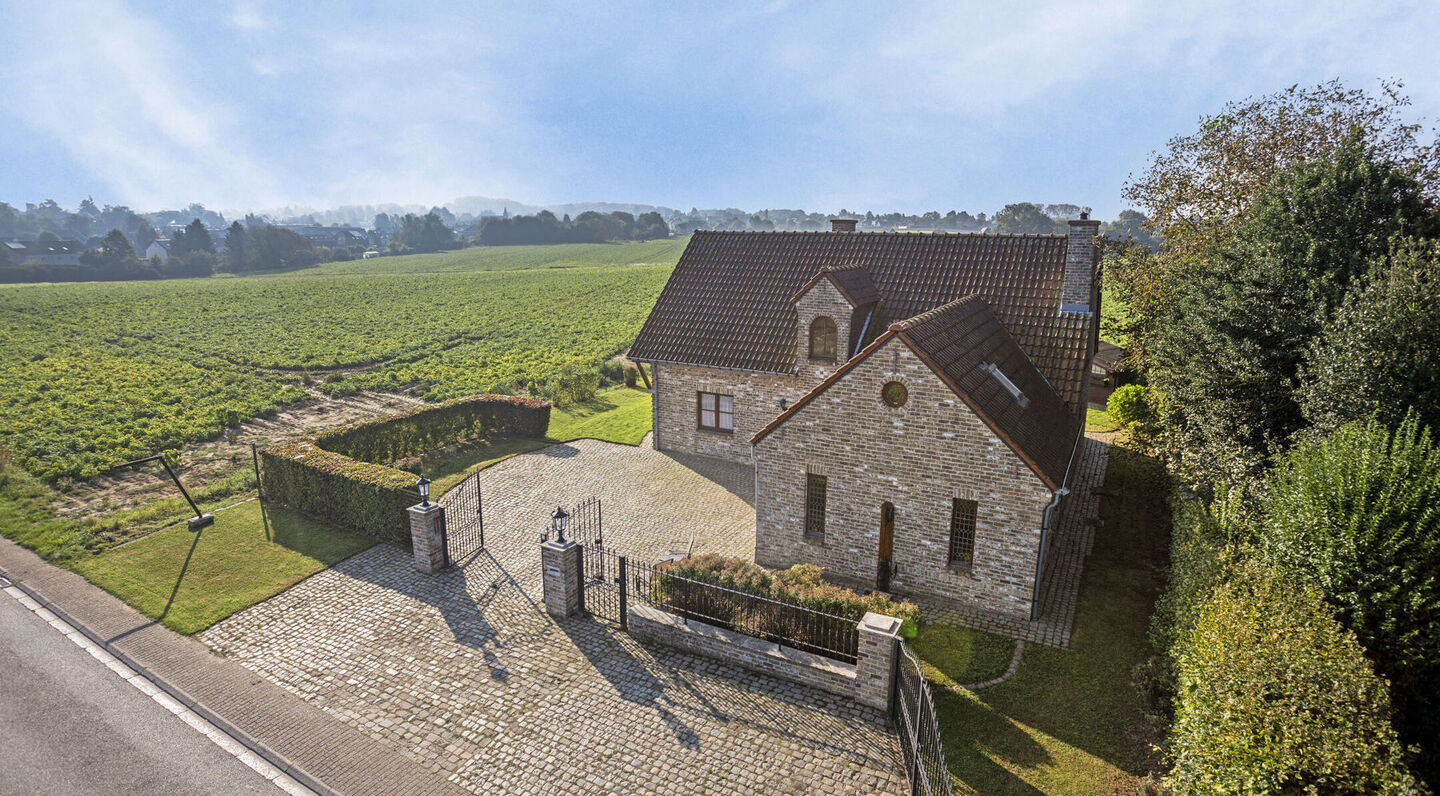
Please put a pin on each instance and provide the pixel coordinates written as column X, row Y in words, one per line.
column 1080, row 264
column 842, row 224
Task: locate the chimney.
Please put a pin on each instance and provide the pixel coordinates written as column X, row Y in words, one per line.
column 1080, row 264
column 842, row 224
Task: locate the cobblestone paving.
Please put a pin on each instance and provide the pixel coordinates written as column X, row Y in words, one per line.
column 1060, row 583
column 465, row 673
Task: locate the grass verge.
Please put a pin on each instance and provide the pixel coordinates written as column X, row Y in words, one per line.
column 953, row 656
column 620, row 415
column 1098, row 421
column 1071, row 721
column 188, row 580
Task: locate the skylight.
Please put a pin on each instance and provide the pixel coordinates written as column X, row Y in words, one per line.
column 1004, row 381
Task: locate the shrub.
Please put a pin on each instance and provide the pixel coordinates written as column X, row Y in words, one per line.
column 1355, row 517
column 1276, row 697
column 391, row 437
column 611, row 372
column 802, row 583
column 631, row 375
column 1130, row 405
column 353, row 495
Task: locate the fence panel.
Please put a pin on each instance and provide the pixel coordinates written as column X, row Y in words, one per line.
column 913, row 711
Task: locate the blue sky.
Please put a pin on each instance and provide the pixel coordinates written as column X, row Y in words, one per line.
column 899, row 106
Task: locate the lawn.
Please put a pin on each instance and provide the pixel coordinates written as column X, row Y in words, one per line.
column 620, row 415
column 1098, row 421
column 953, row 656
column 1069, row 721
column 191, row 580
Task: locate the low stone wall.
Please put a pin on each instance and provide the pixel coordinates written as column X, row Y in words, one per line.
column 651, row 624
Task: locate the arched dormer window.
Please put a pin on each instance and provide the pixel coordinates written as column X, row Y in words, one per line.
column 822, row 339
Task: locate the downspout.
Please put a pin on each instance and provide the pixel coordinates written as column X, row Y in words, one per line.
column 864, row 327
column 1045, row 524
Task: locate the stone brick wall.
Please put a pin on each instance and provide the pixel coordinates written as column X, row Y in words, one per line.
column 757, row 402
column 1080, row 263
column 653, row 625
column 918, row 457
column 822, row 299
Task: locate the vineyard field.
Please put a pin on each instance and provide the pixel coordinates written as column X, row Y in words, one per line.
column 95, row 374
column 516, row 258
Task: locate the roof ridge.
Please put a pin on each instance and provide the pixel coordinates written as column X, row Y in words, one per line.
column 935, row 312
column 877, row 233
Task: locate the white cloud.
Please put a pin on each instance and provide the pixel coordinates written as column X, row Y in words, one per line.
column 248, row 18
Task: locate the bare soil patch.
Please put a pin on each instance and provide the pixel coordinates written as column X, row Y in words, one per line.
column 209, row 461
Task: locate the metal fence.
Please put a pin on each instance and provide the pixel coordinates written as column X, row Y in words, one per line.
column 464, row 520
column 913, row 711
column 780, row 621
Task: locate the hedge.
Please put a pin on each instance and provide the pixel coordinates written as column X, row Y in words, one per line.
column 802, row 583
column 1275, row 696
column 354, row 495
column 410, row 433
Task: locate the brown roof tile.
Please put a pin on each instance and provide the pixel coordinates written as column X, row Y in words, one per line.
column 728, row 302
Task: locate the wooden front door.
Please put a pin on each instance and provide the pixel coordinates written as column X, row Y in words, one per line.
column 887, row 536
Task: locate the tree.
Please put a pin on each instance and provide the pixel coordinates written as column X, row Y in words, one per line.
column 1354, row 517
column 236, row 246
column 1065, row 211
column 1228, row 352
column 193, row 238
column 1380, row 355
column 425, row 233
column 1023, row 218
column 269, row 248
column 115, row 259
column 145, row 235
column 1131, row 225
column 650, row 226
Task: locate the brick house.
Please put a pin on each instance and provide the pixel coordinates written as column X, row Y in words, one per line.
column 911, row 404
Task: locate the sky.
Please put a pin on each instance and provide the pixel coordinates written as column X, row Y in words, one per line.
column 254, row 104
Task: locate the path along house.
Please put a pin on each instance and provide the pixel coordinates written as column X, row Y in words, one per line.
column 912, row 404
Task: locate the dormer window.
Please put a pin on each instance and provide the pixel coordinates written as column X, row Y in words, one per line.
column 1004, row 381
column 822, row 339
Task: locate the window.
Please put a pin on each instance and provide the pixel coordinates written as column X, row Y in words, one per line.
column 815, row 505
column 894, row 393
column 715, row 412
column 1004, row 381
column 822, row 339
column 962, row 530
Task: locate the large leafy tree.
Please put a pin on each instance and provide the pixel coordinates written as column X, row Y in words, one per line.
column 1357, row 517
column 425, row 233
column 1025, row 217
column 193, row 238
column 1380, row 355
column 1227, row 353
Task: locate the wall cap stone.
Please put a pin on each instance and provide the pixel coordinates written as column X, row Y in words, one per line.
column 880, row 624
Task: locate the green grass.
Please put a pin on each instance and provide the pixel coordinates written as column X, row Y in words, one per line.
column 1098, row 421
column 191, row 580
column 620, row 415
column 514, row 258
column 953, row 656
column 1069, row 721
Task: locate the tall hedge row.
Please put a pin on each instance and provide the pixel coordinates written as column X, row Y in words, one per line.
column 1275, row 696
column 360, row 496
column 390, row 437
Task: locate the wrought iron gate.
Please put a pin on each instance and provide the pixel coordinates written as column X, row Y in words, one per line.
column 606, row 592
column 912, row 708
column 464, row 521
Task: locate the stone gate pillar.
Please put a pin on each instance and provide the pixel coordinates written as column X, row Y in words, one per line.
column 875, row 667
column 427, row 523
column 564, row 586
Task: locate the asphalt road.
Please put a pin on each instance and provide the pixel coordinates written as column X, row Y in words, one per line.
column 69, row 725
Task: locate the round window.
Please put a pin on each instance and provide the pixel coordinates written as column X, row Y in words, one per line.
column 894, row 393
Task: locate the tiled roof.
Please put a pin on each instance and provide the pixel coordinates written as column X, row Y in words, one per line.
column 965, row 344
column 727, row 304
column 853, row 282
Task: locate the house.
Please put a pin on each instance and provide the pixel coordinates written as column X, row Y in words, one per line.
column 160, row 247
column 334, row 237
column 1107, row 371
column 911, row 404
column 54, row 252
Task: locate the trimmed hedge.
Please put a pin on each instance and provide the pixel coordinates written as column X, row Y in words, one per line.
column 801, row 584
column 1275, row 696
column 391, row 437
column 354, row 495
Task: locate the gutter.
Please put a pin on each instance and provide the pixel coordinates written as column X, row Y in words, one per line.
column 712, row 367
column 1045, row 525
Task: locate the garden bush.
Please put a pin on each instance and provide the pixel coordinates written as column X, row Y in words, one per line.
column 802, row 583
column 1277, row 697
column 352, row 495
column 631, row 374
column 1357, row 517
column 1130, row 404
column 391, row 437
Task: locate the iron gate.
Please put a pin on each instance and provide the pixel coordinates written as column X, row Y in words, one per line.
column 464, row 522
column 912, row 708
column 606, row 594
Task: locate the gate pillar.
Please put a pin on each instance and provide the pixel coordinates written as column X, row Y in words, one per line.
column 875, row 665
column 427, row 536
column 564, row 586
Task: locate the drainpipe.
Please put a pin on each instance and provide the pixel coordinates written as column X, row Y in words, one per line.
column 1045, row 524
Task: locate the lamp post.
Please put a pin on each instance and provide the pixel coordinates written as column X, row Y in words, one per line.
column 424, row 486
column 558, row 521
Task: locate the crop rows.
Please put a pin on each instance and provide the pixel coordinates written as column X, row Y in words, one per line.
column 92, row 375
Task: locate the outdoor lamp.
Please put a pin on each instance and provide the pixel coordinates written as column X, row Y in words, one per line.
column 558, row 521
column 424, row 486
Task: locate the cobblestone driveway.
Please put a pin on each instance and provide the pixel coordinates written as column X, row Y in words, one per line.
column 465, row 673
